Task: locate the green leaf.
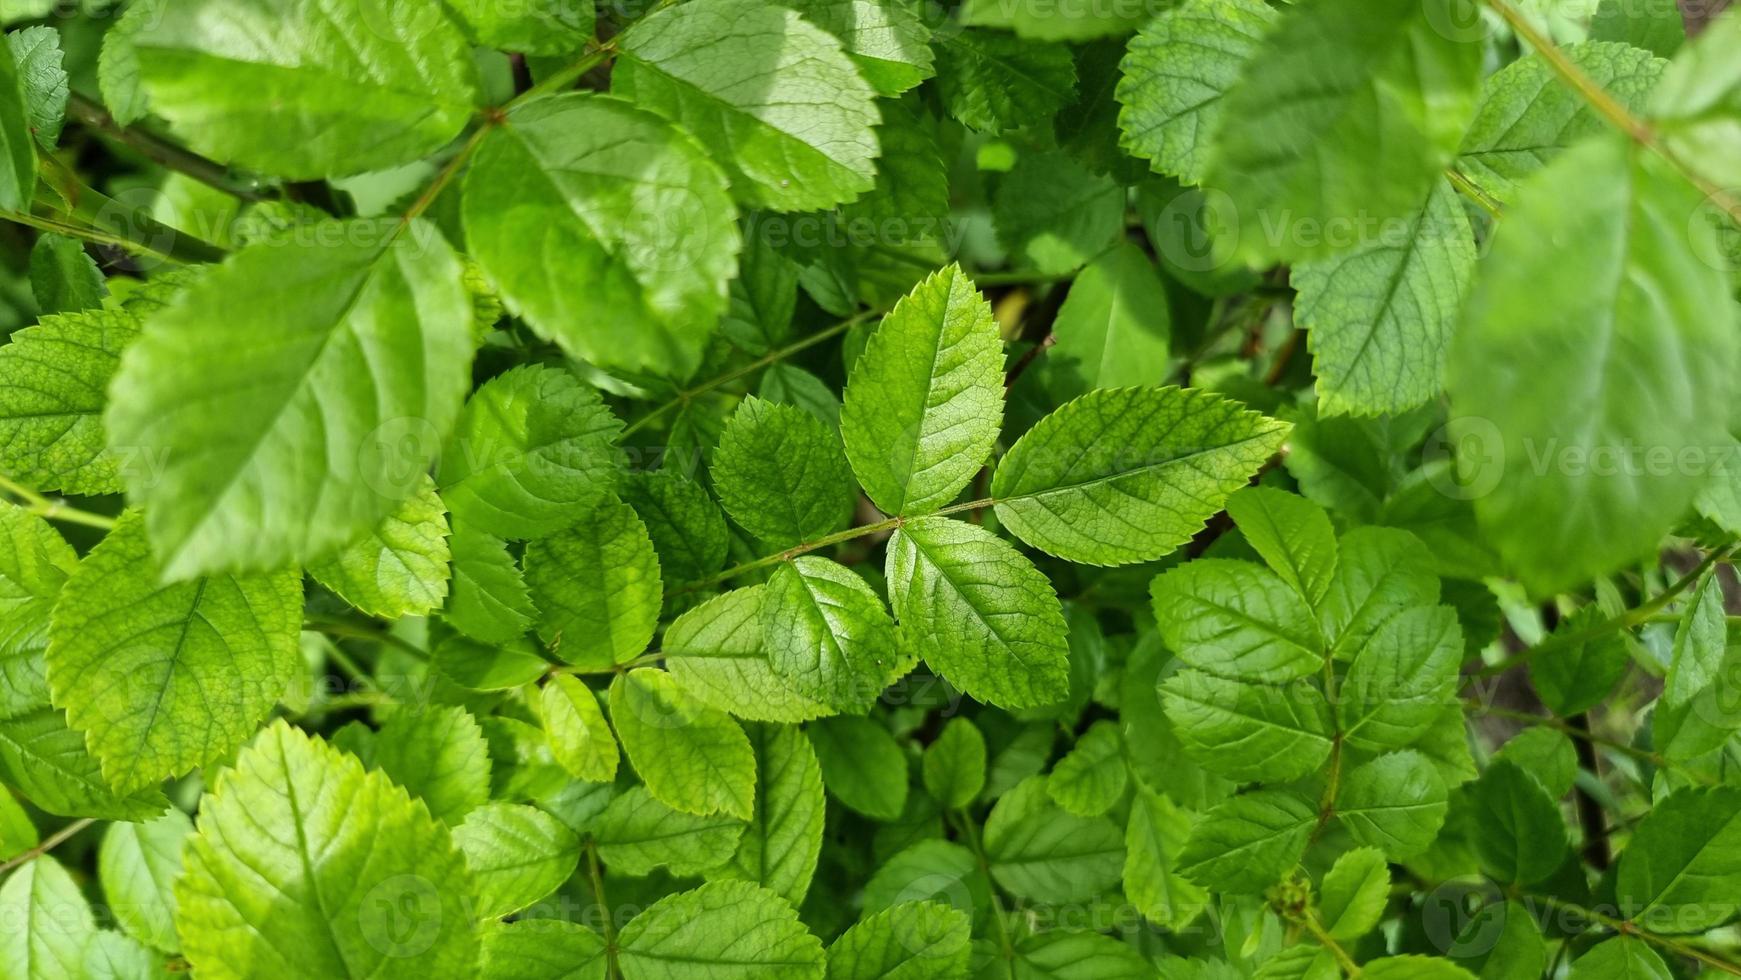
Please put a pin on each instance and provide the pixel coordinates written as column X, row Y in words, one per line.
column 1401, row 679
column 1041, row 852
column 305, row 88
column 978, row 612
column 1091, row 777
column 1380, row 315
column 1523, row 838
column 1527, row 117
column 992, row 81
column 517, row 854
column 1620, row 958
column 684, row 523
column 636, row 209
column 541, row 949
column 1546, row 754
column 636, row 834
column 17, row 833
column 911, row 941
column 541, row 27
column 1660, row 30
column 203, row 661
column 1237, row 619
column 724, row 930
column 315, row 437
column 1175, row 75
column 1567, row 438
column 1413, row 968
column 931, row 870
column 1381, row 572
column 716, row 650
column 1573, row 678
column 1153, row 840
column 138, row 864
column 827, row 634
column 49, row 922
column 1354, row 893
column 780, row 846
column 1700, row 642
column 793, row 117
column 34, row 563
column 1056, row 215
column 488, row 599
column 1123, row 475
column 954, row 764
column 63, row 278
column 1076, row 954
column 887, row 40
column 780, row 472
column 1053, row 22
column 1113, row 329
column 488, row 667
column 46, row 762
column 924, row 402
column 1249, row 842
column 1292, row 534
column 1682, row 869
column 439, row 755
column 1395, row 803
column 17, row 148
column 579, row 737
column 862, row 765
column 692, row 757
column 1697, row 106
column 534, row 449
column 763, row 297
column 110, row 955
column 36, row 52
column 51, row 406
column 596, row 586
column 1248, row 732
column 1344, row 113
column 401, row 567
column 331, row 893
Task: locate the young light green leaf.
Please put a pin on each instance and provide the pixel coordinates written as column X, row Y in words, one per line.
column 299, row 451
column 1039, row 851
column 596, row 586
column 202, row 661
column 1069, row 954
column 488, row 600
column 780, row 846
column 50, row 922
column 954, row 765
column 1153, row 839
column 1697, row 108
column 51, row 404
column 1246, row 731
column 887, row 40
column 34, row 563
column 488, row 667
column 1401, row 679
column 541, row 949
column 1380, row 314
column 992, row 81
column 1395, row 803
column 1237, row 619
column 438, row 754
column 17, row 831
column 37, row 53
column 517, row 854
column 1248, row 842
column 1123, row 475
column 401, row 567
column 17, row 147
column 1413, row 967
column 862, row 765
column 636, row 834
column 1523, row 839
column 717, row 651
column 1381, row 572
column 138, row 864
column 1682, row 871
column 1175, row 74
column 780, row 472
column 63, row 277
column 827, row 634
column 1527, row 116
column 327, row 897
column 979, row 613
column 639, row 213
column 924, row 402
column 1344, row 112
column 1293, row 535
column 910, row 941
column 1091, row 777
column 1354, row 893
column 796, row 132
column 931, row 870
column 305, row 88
column 692, row 757
column 1574, row 391
column 579, row 737
column 1113, row 329
column 724, row 930
column 47, row 763
column 534, row 449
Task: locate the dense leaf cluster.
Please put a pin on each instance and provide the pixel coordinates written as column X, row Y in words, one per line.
column 868, row 489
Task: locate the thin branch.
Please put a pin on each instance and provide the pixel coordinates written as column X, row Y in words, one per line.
column 607, row 921
column 1571, row 731
column 52, row 509
column 1627, row 928
column 53, row 841
column 1346, row 962
column 160, row 151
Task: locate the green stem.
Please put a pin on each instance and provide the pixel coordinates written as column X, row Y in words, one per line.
column 564, row 76
column 1573, row 731
column 607, row 921
column 1346, row 962
column 1474, row 192
column 970, row 833
column 53, row 841
column 1626, row 620
column 54, row 510
column 160, row 151
column 1626, row 928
